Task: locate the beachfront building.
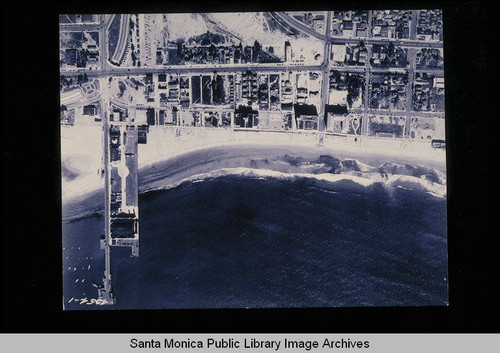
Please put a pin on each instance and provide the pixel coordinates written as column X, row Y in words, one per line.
column 337, row 119
column 306, row 116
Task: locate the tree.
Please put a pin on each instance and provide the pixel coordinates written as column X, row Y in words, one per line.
column 257, row 47
column 150, row 115
column 213, row 51
column 390, row 49
column 256, row 50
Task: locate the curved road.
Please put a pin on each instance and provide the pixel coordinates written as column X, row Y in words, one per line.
column 299, row 26
column 122, row 40
column 341, row 40
column 113, row 70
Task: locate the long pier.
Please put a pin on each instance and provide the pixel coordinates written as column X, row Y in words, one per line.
column 105, row 292
column 120, row 159
column 121, row 209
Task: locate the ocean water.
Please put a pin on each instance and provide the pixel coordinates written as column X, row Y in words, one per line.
column 237, row 241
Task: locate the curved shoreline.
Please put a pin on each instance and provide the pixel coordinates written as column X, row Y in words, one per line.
column 403, row 181
column 167, row 143
column 267, row 160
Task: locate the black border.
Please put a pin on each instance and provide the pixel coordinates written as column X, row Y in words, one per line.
column 31, row 230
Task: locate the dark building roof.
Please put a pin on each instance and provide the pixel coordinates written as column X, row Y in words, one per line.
column 244, row 110
column 81, row 58
column 384, row 32
column 162, row 78
column 336, row 109
column 142, row 137
column 377, row 79
column 89, row 110
column 348, row 25
column 150, row 116
column 123, row 227
column 305, row 109
column 70, row 56
column 114, row 130
column 362, row 26
column 249, row 73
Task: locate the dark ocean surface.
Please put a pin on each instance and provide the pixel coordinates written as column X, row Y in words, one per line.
column 240, row 241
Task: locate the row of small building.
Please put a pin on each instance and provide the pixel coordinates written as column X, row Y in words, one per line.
column 293, row 117
column 248, row 87
column 388, row 24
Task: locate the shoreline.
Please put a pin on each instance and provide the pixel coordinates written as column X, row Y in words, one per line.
column 231, row 149
column 369, row 179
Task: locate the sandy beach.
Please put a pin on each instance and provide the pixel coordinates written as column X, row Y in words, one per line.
column 172, row 155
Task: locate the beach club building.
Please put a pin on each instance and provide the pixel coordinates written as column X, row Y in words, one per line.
column 306, row 116
column 337, row 119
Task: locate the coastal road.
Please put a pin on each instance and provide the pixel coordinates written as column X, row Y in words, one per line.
column 411, row 43
column 384, row 41
column 122, row 40
column 103, row 48
column 325, row 83
column 366, row 98
column 412, row 55
column 405, row 113
column 122, row 71
column 299, row 26
column 87, row 26
column 185, row 69
column 77, row 27
column 115, row 71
